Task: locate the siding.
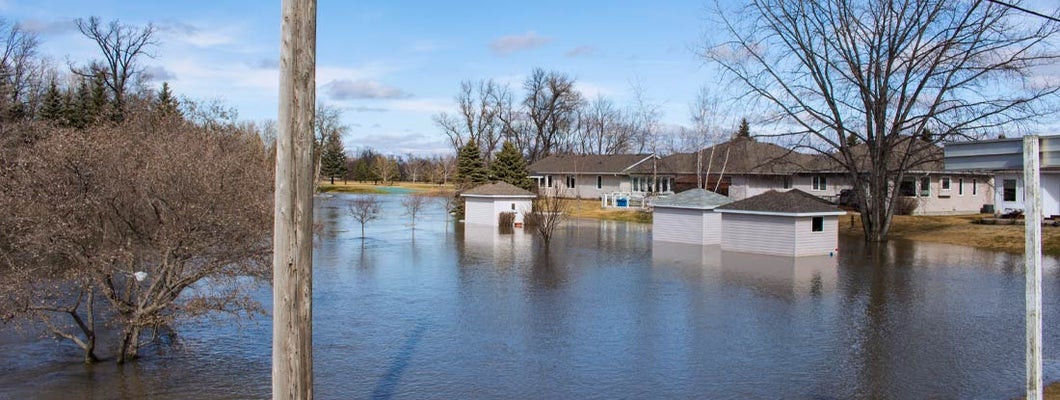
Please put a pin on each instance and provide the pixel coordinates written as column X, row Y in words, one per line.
column 505, row 205
column 810, row 243
column 675, row 225
column 479, row 211
column 585, row 186
column 763, row 234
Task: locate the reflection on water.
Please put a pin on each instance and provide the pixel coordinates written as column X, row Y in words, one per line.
column 448, row 311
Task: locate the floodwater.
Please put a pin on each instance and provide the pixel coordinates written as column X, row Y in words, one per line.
column 449, row 312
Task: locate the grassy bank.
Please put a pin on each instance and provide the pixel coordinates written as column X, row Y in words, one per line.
column 961, row 230
column 592, row 209
column 371, row 188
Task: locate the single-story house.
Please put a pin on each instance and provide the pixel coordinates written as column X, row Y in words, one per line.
column 1001, row 158
column 588, row 176
column 688, row 217
column 789, row 223
column 483, row 205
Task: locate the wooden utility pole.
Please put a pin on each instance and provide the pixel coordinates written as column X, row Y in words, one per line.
column 292, row 263
column 1033, row 263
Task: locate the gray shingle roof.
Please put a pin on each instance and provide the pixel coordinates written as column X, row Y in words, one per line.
column 745, row 156
column 586, row 164
column 497, row 189
column 694, row 198
column 790, row 202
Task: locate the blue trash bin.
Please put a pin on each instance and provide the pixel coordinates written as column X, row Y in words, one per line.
column 622, row 202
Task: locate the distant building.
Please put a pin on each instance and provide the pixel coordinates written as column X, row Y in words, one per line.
column 791, row 223
column 688, row 217
column 591, row 176
column 483, row 205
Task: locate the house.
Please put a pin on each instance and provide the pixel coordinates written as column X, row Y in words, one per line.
column 589, row 176
column 743, row 167
column 688, row 217
column 1002, row 158
column 483, row 205
column 790, row 223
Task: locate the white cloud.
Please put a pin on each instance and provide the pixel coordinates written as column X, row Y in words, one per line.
column 158, row 73
column 198, row 37
column 513, row 43
column 56, row 27
column 591, row 90
column 348, row 89
column 424, row 105
column 580, row 51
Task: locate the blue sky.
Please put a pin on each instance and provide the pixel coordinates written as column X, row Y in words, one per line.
column 393, row 64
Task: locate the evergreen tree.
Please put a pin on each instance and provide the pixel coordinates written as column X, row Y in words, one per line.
column 470, row 170
column 77, row 113
column 745, row 129
column 52, row 106
column 510, row 166
column 166, row 105
column 333, row 159
column 99, row 102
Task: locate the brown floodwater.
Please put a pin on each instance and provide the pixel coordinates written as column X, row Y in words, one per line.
column 451, row 312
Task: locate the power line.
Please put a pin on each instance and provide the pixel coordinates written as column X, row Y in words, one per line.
column 1031, row 12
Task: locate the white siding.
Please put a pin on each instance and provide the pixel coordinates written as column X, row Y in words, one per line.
column 486, row 211
column 585, row 186
column 479, row 211
column 810, row 243
column 675, row 225
column 763, row 234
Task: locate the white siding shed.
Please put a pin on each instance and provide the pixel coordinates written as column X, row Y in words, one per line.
column 484, row 204
column 688, row 217
column 792, row 223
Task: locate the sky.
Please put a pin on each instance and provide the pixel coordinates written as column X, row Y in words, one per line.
column 392, row 65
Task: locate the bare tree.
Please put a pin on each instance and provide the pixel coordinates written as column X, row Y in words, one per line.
column 551, row 104
column 413, row 203
column 547, row 213
column 477, row 118
column 385, row 168
column 18, row 60
column 365, row 209
column 134, row 231
column 707, row 120
column 121, row 46
column 328, row 126
column 603, row 128
column 883, row 72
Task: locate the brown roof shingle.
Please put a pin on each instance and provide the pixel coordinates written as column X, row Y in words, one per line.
column 788, row 202
column 497, row 189
column 586, row 164
column 745, row 156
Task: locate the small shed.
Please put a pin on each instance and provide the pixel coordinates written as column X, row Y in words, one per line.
column 688, row 217
column 790, row 223
column 483, row 205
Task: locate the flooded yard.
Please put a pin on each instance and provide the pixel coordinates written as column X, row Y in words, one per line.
column 451, row 312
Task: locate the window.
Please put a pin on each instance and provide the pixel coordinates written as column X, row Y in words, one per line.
column 513, row 206
column 1008, row 190
column 944, row 183
column 975, row 190
column 787, row 182
column 908, row 187
column 570, row 181
column 817, row 224
column 960, row 186
column 820, row 183
column 599, row 182
column 925, row 187
column 548, row 181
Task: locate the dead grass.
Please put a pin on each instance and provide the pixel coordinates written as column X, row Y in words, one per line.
column 592, row 209
column 1050, row 392
column 961, row 230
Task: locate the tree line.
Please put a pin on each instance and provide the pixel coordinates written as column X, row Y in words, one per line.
column 124, row 208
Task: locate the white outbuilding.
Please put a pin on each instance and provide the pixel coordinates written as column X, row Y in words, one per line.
column 790, row 223
column 484, row 204
column 688, row 217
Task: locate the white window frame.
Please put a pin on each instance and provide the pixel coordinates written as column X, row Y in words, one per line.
column 571, row 183
column 975, row 188
column 599, row 182
column 820, row 183
column 945, row 183
column 960, row 186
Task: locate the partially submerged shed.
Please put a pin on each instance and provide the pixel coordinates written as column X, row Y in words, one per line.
column 790, row 223
column 688, row 217
column 483, row 205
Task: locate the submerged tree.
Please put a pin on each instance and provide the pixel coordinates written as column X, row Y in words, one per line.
column 133, row 231
column 413, row 203
column 365, row 209
column 547, row 213
column 858, row 79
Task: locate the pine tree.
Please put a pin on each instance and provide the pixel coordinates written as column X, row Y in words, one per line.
column 510, row 166
column 77, row 109
column 333, row 159
column 470, row 170
column 166, row 105
column 52, row 107
column 745, row 129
